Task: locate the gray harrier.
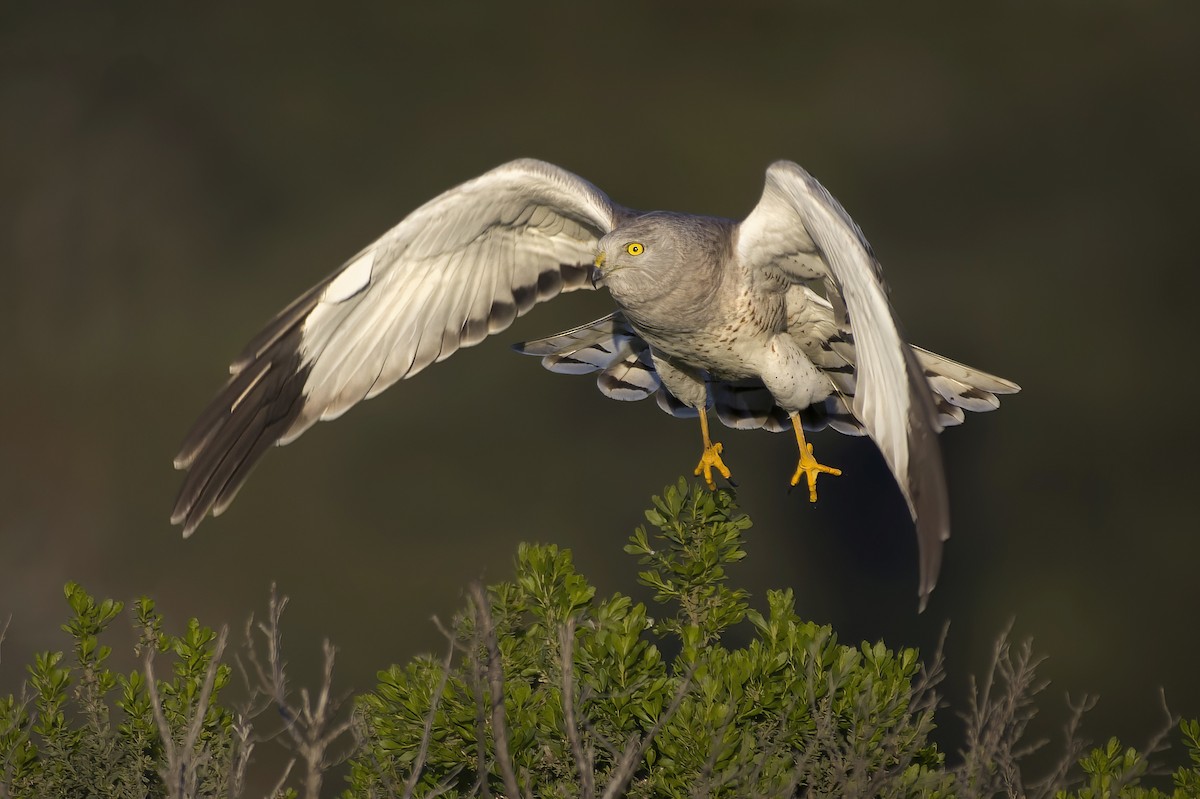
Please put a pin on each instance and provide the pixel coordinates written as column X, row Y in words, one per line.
column 780, row 321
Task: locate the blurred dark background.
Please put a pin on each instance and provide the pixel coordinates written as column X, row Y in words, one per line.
column 172, row 176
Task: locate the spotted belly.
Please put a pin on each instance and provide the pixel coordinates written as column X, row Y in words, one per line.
column 732, row 352
column 733, row 348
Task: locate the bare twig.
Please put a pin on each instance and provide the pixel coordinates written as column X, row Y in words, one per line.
column 867, row 759
column 917, row 706
column 427, row 733
column 181, row 774
column 6, row 774
column 287, row 770
column 477, row 689
column 271, row 678
column 822, row 734
column 15, row 723
column 310, row 725
column 635, row 750
column 447, row 783
column 996, row 725
column 249, row 710
column 243, row 746
column 1073, row 748
column 3, row 635
column 584, row 761
column 775, row 744
column 1159, row 740
column 495, row 675
column 210, row 680
column 704, row 783
column 450, row 635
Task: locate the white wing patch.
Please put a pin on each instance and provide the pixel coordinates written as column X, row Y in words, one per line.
column 353, row 279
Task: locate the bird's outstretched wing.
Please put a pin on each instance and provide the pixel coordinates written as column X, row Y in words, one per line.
column 799, row 229
column 457, row 269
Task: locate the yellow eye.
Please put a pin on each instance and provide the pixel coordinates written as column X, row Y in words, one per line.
column 634, row 248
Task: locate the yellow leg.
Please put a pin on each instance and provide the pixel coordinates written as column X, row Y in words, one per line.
column 711, row 459
column 808, row 464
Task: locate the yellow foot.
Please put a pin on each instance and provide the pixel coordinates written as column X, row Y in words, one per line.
column 711, row 459
column 809, row 468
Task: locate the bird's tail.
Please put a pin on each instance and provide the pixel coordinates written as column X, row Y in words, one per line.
column 956, row 387
column 608, row 346
column 611, row 347
column 959, row 388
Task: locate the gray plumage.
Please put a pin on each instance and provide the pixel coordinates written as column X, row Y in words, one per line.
column 782, row 315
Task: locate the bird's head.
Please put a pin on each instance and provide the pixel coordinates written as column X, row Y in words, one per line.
column 634, row 260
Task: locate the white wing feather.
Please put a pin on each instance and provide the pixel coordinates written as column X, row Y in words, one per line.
column 457, row 269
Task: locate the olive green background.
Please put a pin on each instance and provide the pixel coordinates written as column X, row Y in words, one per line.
column 170, row 177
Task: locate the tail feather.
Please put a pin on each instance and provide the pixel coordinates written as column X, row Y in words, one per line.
column 671, row 404
column 608, row 346
column 948, row 415
column 613, row 348
column 584, row 349
column 962, row 386
column 631, row 378
column 978, row 378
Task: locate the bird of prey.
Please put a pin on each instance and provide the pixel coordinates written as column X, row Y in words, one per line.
column 780, row 321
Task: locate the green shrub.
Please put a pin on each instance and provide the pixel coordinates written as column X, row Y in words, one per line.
column 60, row 739
column 547, row 690
column 1114, row 772
column 588, row 696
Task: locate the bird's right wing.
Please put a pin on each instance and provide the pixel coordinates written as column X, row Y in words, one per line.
column 457, row 269
column 798, row 230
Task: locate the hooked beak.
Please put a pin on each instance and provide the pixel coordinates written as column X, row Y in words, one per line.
column 598, row 270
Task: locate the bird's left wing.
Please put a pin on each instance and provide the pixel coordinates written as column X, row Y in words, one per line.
column 457, row 269
column 799, row 229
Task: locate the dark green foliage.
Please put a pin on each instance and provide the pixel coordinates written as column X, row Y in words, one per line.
column 60, row 740
column 703, row 533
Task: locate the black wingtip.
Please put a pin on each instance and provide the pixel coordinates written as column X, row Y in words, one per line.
column 246, row 418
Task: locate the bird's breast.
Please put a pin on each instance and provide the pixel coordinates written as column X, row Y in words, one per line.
column 726, row 338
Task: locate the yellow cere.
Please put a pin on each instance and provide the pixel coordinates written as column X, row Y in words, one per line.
column 634, row 248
